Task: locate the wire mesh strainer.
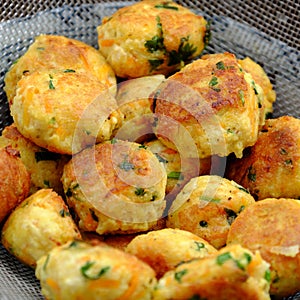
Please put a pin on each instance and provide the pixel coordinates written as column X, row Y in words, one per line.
column 266, row 31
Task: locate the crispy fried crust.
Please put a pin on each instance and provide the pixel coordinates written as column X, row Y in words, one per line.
column 212, row 100
column 14, row 181
column 272, row 226
column 271, row 168
column 150, row 37
column 51, row 52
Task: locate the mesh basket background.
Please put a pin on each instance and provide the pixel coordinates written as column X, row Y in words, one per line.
column 266, row 31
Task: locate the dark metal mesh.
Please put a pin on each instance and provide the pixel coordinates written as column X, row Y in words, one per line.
column 266, row 30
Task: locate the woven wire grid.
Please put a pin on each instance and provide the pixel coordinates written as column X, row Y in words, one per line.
column 267, row 31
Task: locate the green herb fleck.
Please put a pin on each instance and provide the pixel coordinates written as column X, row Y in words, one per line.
column 166, row 5
column 139, row 191
column 113, row 141
column 242, row 96
column 178, row 275
column 157, row 42
column 241, row 188
column 52, row 121
column 69, row 71
column 63, row 213
column 155, row 63
column 73, row 244
column 126, row 166
column 207, row 36
column 209, row 199
column 46, row 262
column 222, row 258
column 251, row 174
column 87, row 266
column 199, row 246
column 142, row 147
column 268, row 276
column 288, row 162
column 231, row 215
column 51, row 85
column 241, row 208
column 283, row 151
column 47, row 183
column 220, row 65
column 175, row 175
column 244, row 261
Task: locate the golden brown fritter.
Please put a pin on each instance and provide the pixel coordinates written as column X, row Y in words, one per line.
column 45, row 168
column 116, row 187
column 40, row 223
column 211, row 104
column 151, row 37
column 133, row 101
column 207, row 206
column 272, row 226
column 14, row 181
column 79, row 270
column 51, row 52
column 260, row 78
column 231, row 273
column 164, row 249
column 271, row 168
column 64, row 112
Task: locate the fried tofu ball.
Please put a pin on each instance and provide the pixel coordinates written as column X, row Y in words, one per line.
column 272, row 226
column 164, row 249
column 179, row 169
column 271, row 168
column 133, row 101
column 40, row 223
column 207, row 206
column 14, row 181
column 231, row 273
column 260, row 78
column 45, row 168
column 211, row 100
column 79, row 270
column 151, row 37
column 115, row 187
column 51, row 52
column 64, row 112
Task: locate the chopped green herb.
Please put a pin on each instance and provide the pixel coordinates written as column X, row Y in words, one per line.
column 288, row 162
column 222, row 258
column 113, row 141
column 209, row 199
column 203, row 223
column 47, row 183
column 51, row 85
column 69, row 71
column 254, row 87
column 87, row 266
column 178, row 275
column 139, row 191
column 283, row 151
column 126, row 166
column 213, row 81
column 251, row 174
column 155, row 63
column 175, row 175
column 199, row 246
column 231, row 215
column 46, row 155
column 242, row 96
column 241, row 208
column 207, row 36
column 63, row 213
column 157, row 42
column 241, row 188
column 166, row 5
column 244, row 261
column 46, row 262
column 220, row 65
column 142, row 147
column 268, row 276
column 52, row 121
column 73, row 244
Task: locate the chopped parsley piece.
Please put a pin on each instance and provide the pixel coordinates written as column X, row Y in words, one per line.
column 86, row 267
column 73, row 244
column 242, row 96
column 52, row 121
column 157, row 41
column 199, row 246
column 220, row 65
column 139, row 192
column 142, row 147
column 241, row 208
column 251, row 174
column 213, row 81
column 51, row 85
column 283, row 151
column 244, row 261
column 254, row 87
column 221, row 259
column 155, row 63
column 241, row 188
column 63, row 213
column 288, row 162
column 175, row 175
column 203, row 223
column 166, row 5
column 268, row 276
column 45, row 155
column 69, row 71
column 207, row 36
column 126, row 166
column 178, row 275
column 113, row 141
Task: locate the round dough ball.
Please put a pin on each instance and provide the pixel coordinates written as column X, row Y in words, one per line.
column 164, row 249
column 272, row 226
column 115, row 187
column 40, row 223
column 51, row 52
column 14, row 181
column 133, row 101
column 45, row 168
column 271, row 168
column 151, row 37
column 260, row 78
column 231, row 273
column 211, row 104
column 207, row 206
column 79, row 270
column 64, row 112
